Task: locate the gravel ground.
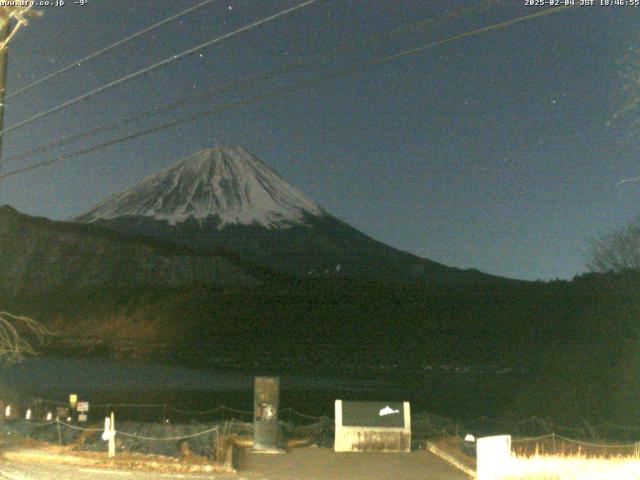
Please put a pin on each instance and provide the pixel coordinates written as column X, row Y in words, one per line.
column 298, row 464
column 50, row 471
column 29, row 459
column 324, row 464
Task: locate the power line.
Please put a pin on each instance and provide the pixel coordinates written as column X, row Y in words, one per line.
column 158, row 65
column 246, row 82
column 108, row 48
column 284, row 90
column 6, row 34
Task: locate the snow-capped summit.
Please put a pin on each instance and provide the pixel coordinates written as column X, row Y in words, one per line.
column 224, row 183
column 226, row 199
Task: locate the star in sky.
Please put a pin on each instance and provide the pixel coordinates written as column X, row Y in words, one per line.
column 368, row 123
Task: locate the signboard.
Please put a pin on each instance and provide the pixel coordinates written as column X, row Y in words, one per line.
column 266, row 403
column 493, row 456
column 372, row 426
column 83, row 407
column 82, row 417
column 373, row 414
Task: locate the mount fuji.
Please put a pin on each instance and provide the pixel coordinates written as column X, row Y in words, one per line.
column 225, row 197
column 222, row 185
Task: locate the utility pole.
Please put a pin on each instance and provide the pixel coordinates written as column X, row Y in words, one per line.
column 7, row 31
column 4, row 42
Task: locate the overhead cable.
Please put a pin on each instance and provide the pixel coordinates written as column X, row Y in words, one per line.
column 281, row 91
column 156, row 66
column 245, row 82
column 108, row 48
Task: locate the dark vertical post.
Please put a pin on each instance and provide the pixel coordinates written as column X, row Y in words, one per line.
column 266, row 403
column 4, row 35
column 59, row 432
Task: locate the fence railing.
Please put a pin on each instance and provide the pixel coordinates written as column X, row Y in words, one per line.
column 554, row 444
column 548, row 434
column 536, row 427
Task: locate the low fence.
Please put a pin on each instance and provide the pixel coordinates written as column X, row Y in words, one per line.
column 554, row 456
column 159, row 412
column 174, row 440
column 554, row 444
column 540, row 427
column 166, row 437
column 531, row 435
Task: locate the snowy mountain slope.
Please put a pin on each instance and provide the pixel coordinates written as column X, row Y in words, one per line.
column 225, row 197
column 226, row 183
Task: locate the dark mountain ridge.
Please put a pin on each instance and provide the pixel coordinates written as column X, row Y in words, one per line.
column 225, row 197
column 173, row 272
column 40, row 256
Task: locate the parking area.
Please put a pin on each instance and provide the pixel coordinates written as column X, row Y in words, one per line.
column 316, row 463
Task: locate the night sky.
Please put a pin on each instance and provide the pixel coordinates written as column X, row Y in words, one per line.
column 499, row 151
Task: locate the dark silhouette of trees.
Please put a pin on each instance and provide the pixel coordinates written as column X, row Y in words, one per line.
column 618, row 251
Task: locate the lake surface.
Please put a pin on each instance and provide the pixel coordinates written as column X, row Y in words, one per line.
column 162, row 387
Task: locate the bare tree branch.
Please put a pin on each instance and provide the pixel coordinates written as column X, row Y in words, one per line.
column 13, row 345
column 630, row 72
column 617, row 252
